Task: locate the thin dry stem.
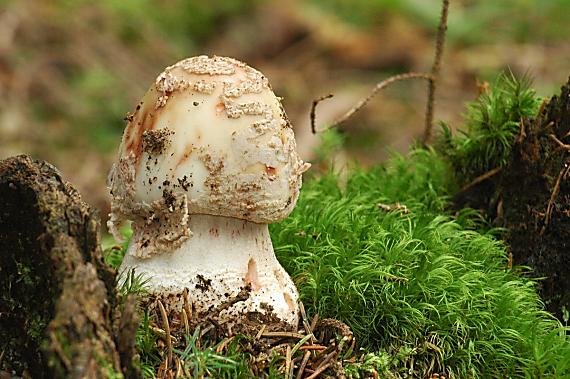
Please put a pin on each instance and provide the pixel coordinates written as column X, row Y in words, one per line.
column 207, row 330
column 432, row 80
column 439, row 46
column 258, row 336
column 555, row 190
column 318, row 371
column 288, row 362
column 481, row 178
column 179, row 370
column 559, row 143
column 305, row 319
column 186, row 325
column 162, row 334
column 380, row 86
column 393, row 207
column 186, row 306
column 166, row 330
column 223, row 344
column 314, row 321
column 313, row 114
column 329, row 357
column 303, row 365
column 283, row 335
column 313, row 347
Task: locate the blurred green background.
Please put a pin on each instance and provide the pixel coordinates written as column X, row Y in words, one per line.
column 71, row 70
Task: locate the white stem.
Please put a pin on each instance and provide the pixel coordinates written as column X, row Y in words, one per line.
column 223, row 256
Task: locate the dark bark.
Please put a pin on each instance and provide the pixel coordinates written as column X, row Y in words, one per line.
column 128, row 324
column 56, row 294
column 530, row 198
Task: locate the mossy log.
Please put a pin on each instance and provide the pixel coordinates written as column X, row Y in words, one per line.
column 56, row 295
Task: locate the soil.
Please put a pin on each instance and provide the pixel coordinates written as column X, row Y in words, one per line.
column 530, row 197
column 155, row 142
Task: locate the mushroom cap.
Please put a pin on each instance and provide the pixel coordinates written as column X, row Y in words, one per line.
column 209, row 137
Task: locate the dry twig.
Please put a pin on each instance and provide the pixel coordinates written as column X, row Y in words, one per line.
column 166, row 331
column 303, row 365
column 162, row 334
column 283, row 335
column 187, row 307
column 288, row 368
column 313, row 111
column 179, row 370
column 393, row 207
column 258, row 335
column 223, row 344
column 313, row 347
column 186, row 325
column 380, row 86
column 431, row 77
column 318, row 371
column 305, row 319
column 559, row 143
column 555, row 190
column 480, row 179
column 314, row 321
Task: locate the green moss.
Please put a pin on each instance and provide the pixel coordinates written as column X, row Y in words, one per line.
column 147, row 347
column 63, row 348
column 492, row 123
column 206, row 362
column 107, row 368
column 114, row 253
column 36, row 327
column 413, row 283
column 25, row 274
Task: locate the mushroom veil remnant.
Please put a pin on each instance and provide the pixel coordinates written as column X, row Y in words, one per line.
column 207, row 160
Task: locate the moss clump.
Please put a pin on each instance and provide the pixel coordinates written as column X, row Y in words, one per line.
column 491, row 124
column 411, row 281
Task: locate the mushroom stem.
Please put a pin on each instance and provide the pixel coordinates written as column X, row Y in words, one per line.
column 223, row 256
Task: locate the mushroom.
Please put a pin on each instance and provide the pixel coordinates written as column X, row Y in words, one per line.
column 207, row 160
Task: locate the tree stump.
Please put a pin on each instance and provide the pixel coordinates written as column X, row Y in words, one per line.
column 56, row 295
column 530, row 199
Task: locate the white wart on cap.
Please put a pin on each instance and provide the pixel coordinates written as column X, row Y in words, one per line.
column 208, row 150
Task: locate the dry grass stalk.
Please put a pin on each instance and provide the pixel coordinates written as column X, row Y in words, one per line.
column 166, row 331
